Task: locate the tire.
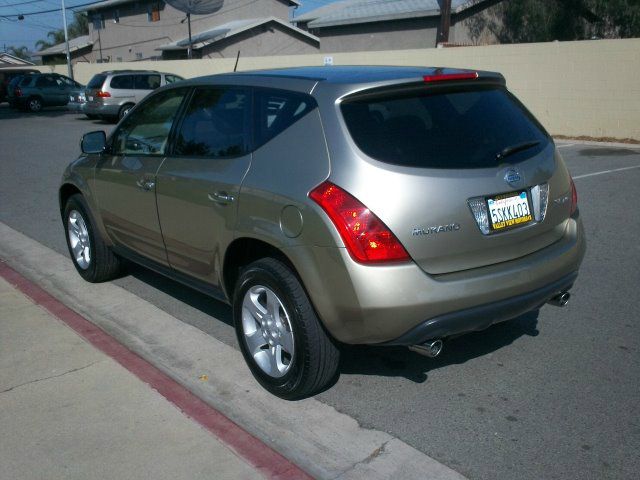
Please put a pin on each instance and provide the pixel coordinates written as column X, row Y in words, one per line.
column 34, row 104
column 291, row 356
column 91, row 116
column 93, row 259
column 124, row 110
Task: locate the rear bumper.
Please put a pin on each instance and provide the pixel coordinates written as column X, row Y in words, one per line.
column 401, row 304
column 76, row 107
column 483, row 316
column 17, row 102
column 92, row 108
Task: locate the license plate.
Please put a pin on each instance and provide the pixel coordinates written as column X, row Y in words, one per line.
column 509, row 210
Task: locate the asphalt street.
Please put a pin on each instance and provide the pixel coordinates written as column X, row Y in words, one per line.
column 552, row 394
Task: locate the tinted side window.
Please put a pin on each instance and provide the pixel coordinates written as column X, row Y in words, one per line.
column 216, row 123
column 67, row 81
column 277, row 110
column 145, row 131
column 172, row 78
column 147, row 82
column 122, row 81
column 44, row 82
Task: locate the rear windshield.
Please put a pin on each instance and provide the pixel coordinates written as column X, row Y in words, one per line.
column 460, row 128
column 96, row 81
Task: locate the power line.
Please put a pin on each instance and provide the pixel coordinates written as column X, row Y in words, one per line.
column 48, row 11
column 21, row 3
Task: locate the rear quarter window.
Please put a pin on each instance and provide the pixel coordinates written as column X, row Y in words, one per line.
column 172, row 79
column 277, row 110
column 455, row 128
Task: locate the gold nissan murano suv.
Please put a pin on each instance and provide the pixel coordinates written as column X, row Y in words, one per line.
column 329, row 205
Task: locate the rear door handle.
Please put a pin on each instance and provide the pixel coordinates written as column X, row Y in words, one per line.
column 222, row 198
column 145, row 184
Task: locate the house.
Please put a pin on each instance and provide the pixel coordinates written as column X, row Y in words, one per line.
column 255, row 36
column 8, row 60
column 132, row 30
column 361, row 25
column 79, row 51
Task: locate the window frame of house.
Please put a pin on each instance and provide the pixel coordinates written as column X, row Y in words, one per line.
column 98, row 21
column 153, row 12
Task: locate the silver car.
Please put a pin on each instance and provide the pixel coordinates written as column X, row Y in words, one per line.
column 111, row 94
column 335, row 205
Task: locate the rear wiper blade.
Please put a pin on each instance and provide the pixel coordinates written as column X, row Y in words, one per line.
column 515, row 148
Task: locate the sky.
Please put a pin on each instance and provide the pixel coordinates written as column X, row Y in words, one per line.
column 27, row 32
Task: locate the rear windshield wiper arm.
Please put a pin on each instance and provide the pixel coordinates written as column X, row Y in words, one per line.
column 516, row 148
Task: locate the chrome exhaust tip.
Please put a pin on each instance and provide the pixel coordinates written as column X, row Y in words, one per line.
column 560, row 300
column 429, row 349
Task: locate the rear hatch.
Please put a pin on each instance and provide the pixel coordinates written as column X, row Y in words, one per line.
column 94, row 87
column 460, row 171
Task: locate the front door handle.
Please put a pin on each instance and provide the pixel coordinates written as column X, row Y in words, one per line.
column 145, row 184
column 223, row 198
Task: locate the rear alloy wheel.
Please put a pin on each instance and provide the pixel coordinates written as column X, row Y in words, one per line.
column 93, row 259
column 279, row 333
column 34, row 104
column 124, row 110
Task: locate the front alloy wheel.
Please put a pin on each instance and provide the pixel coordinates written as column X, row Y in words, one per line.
column 93, row 259
column 79, row 242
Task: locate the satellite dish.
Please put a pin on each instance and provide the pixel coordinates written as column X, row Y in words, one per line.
column 196, row 7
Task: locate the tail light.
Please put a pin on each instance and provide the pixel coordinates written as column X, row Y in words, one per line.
column 17, row 92
column 445, row 77
column 101, row 94
column 574, row 198
column 367, row 239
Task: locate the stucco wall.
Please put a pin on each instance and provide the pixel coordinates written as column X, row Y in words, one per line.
column 574, row 88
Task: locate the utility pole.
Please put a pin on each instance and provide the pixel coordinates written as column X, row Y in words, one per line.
column 445, row 21
column 66, row 40
column 100, row 43
column 190, row 51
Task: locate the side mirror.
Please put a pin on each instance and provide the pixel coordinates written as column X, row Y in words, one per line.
column 93, row 142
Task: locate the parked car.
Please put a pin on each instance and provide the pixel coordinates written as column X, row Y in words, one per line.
column 38, row 90
column 110, row 95
column 15, row 81
column 77, row 101
column 8, row 74
column 357, row 205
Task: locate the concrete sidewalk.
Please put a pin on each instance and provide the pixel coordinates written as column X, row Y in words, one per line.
column 69, row 411
column 210, row 381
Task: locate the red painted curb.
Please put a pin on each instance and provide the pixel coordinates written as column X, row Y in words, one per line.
column 258, row 454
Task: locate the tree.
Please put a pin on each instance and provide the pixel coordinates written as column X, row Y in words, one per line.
column 78, row 27
column 548, row 20
column 616, row 18
column 20, row 52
